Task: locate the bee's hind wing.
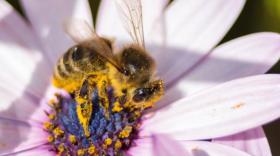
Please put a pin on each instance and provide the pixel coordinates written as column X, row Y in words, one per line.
column 79, row 30
column 132, row 18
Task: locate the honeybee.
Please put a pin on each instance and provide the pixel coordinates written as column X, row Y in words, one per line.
column 92, row 64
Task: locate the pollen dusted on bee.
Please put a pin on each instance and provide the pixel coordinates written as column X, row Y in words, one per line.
column 107, row 125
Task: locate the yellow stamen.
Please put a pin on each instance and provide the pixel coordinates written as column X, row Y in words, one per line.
column 48, row 126
column 118, row 145
column 91, row 149
column 51, row 116
column 61, row 148
column 125, row 132
column 72, row 139
column 108, row 141
column 58, row 132
column 81, row 152
column 50, row 139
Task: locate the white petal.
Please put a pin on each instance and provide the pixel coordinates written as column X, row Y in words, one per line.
column 165, row 145
column 17, row 135
column 252, row 141
column 193, row 28
column 203, row 148
column 24, row 70
column 198, row 25
column 48, row 18
column 223, row 110
column 245, row 56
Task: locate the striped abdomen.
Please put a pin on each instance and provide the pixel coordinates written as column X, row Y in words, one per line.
column 75, row 65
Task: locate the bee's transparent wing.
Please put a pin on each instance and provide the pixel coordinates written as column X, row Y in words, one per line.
column 131, row 13
column 79, row 30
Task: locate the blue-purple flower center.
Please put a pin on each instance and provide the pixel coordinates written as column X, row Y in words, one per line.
column 112, row 131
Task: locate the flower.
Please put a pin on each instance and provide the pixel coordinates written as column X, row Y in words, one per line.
column 191, row 110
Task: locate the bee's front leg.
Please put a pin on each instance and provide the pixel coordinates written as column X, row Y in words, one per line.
column 84, row 106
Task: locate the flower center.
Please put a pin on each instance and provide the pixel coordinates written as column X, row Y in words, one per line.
column 111, row 130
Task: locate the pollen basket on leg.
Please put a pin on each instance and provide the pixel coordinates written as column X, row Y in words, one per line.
column 106, row 123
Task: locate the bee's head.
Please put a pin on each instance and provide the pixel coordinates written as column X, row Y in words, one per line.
column 148, row 94
column 136, row 64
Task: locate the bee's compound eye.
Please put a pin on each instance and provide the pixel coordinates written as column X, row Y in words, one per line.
column 77, row 53
column 141, row 94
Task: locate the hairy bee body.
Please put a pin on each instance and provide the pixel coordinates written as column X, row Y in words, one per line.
column 77, row 63
column 91, row 67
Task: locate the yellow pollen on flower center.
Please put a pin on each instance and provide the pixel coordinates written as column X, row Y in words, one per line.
column 51, row 116
column 118, row 145
column 61, row 148
column 81, row 152
column 125, row 132
column 72, row 139
column 58, row 132
column 91, row 149
column 48, row 126
column 108, row 141
column 50, row 138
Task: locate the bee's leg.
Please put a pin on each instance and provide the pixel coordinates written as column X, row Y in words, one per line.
column 100, row 83
column 84, row 106
column 103, row 94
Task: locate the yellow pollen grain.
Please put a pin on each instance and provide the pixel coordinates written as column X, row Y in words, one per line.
column 125, row 132
column 61, row 148
column 51, row 116
column 48, row 126
column 118, row 145
column 50, row 139
column 72, row 139
column 117, row 107
column 58, row 132
column 81, row 152
column 52, row 102
column 91, row 149
column 108, row 141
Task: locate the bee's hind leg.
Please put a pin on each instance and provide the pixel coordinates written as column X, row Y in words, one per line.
column 99, row 82
column 102, row 87
column 84, row 107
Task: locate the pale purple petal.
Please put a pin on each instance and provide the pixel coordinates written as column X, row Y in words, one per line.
column 34, row 151
column 48, row 19
column 204, row 148
column 17, row 135
column 245, row 56
column 16, row 106
column 193, row 28
column 223, row 110
column 24, row 72
column 252, row 141
column 199, row 25
column 165, row 146
column 141, row 147
column 20, row 55
column 110, row 23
